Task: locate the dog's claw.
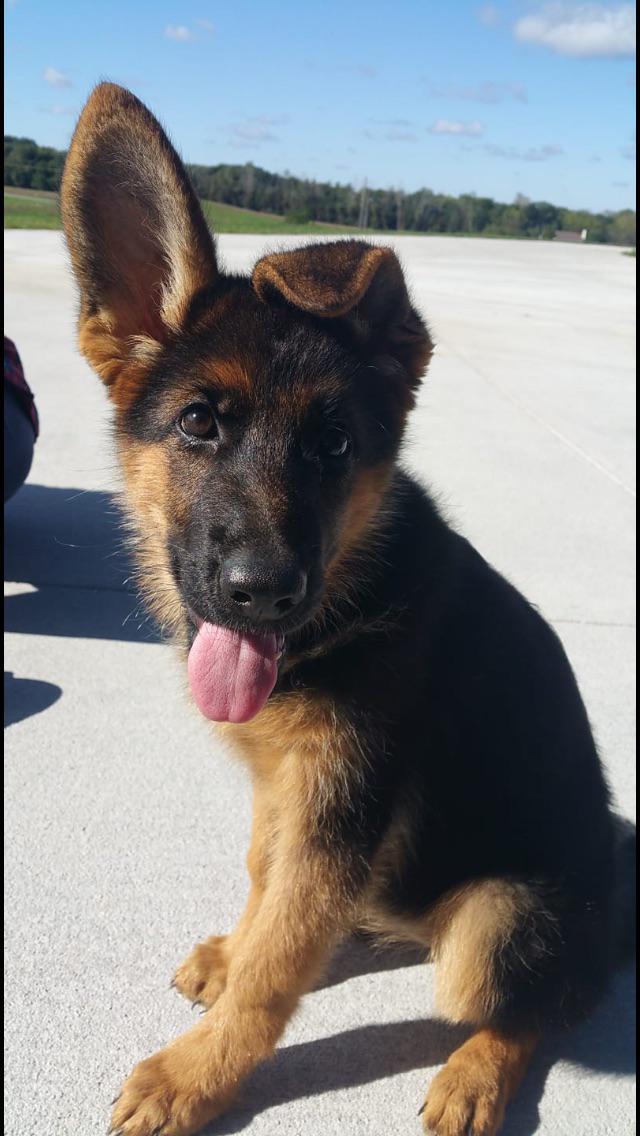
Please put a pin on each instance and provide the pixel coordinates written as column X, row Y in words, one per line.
column 112, row 1130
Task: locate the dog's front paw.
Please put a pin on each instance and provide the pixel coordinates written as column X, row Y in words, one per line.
column 461, row 1102
column 203, row 974
column 165, row 1096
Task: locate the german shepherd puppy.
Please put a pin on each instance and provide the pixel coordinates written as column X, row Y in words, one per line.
column 421, row 759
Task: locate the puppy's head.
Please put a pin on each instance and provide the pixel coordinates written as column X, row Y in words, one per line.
column 257, row 418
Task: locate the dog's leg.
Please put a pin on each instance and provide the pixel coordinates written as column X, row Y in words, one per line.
column 308, row 903
column 511, row 957
column 471, row 936
column 471, row 932
column 203, row 975
column 470, row 1094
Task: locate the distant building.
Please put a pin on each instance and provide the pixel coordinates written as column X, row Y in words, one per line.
column 571, row 238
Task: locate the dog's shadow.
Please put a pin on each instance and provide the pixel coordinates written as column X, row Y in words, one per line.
column 356, row 1057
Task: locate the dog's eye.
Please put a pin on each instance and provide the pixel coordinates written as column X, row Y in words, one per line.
column 197, row 421
column 334, row 443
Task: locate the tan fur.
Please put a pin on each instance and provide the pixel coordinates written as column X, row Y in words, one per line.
column 233, row 377
column 302, row 901
column 362, row 512
column 469, row 1096
column 468, row 929
column 304, row 749
column 463, row 932
column 149, row 506
column 122, row 364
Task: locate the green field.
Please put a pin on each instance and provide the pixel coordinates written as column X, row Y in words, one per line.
column 30, row 209
column 229, row 219
column 38, row 209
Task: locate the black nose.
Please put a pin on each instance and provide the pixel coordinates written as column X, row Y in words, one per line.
column 261, row 589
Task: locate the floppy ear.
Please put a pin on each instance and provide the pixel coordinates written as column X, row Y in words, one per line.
column 354, row 280
column 140, row 246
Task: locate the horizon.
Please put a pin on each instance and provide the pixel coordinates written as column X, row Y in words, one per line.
column 350, row 185
column 537, row 99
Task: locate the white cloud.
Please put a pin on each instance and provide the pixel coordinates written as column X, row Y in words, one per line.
column 254, row 131
column 581, row 30
column 397, row 135
column 392, row 122
column 251, row 132
column 56, row 78
column 396, row 130
column 533, row 154
column 58, row 109
column 363, row 70
column 206, row 26
column 178, row 32
column 271, row 119
column 489, row 15
column 446, row 126
column 485, row 92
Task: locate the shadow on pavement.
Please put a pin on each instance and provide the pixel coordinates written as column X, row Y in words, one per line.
column 355, row 1057
column 606, row 1044
column 68, row 544
column 363, row 954
column 26, row 696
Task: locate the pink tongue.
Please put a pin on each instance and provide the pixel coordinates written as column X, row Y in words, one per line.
column 231, row 675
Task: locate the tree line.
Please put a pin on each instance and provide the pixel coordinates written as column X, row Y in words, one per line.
column 30, row 166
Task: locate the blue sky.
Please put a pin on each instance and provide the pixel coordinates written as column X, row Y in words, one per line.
column 497, row 99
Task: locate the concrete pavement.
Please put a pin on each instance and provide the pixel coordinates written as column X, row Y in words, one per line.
column 127, row 824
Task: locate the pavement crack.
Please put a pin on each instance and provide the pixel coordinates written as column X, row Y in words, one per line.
column 567, row 442
column 594, row 622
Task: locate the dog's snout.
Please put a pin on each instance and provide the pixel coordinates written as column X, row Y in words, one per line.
column 262, row 590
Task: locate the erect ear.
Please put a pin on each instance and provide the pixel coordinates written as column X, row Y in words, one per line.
column 354, row 280
column 140, row 246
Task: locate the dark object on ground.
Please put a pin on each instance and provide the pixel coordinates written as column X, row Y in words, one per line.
column 20, row 422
